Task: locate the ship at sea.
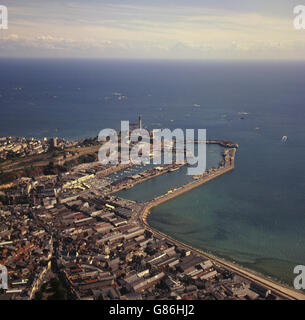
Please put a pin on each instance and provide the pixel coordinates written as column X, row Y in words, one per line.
column 284, row 139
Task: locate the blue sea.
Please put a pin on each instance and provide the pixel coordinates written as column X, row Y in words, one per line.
column 254, row 215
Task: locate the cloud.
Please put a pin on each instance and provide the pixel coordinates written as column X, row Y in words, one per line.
column 125, row 29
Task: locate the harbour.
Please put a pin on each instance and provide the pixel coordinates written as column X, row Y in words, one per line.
column 253, row 215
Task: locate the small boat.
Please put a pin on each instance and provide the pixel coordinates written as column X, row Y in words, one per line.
column 284, row 139
column 174, row 169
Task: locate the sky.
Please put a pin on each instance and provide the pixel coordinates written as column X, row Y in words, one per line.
column 155, row 29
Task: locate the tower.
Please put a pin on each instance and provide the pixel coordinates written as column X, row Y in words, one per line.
column 140, row 121
column 54, row 142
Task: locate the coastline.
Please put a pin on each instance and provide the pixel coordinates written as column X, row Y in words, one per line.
column 225, row 166
column 282, row 290
column 286, row 292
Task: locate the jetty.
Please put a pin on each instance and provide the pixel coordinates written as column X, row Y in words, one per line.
column 227, row 165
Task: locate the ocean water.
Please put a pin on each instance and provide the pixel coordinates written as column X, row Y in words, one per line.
column 254, row 215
